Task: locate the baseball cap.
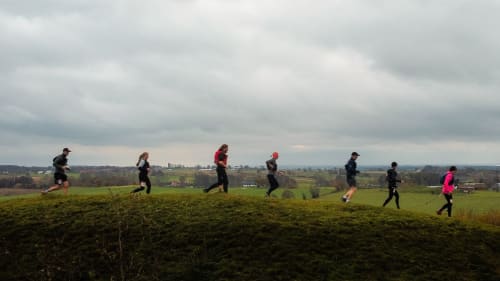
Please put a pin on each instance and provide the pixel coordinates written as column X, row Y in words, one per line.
column 355, row 154
column 66, row 149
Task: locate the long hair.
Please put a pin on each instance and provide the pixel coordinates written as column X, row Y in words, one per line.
column 141, row 157
column 222, row 147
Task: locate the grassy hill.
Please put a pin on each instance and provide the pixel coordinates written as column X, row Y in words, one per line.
column 231, row 237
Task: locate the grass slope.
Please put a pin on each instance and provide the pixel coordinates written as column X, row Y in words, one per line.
column 414, row 199
column 219, row 237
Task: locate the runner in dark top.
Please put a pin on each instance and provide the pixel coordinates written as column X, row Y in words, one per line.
column 220, row 159
column 351, row 172
column 144, row 168
column 392, row 180
column 60, row 163
column 272, row 169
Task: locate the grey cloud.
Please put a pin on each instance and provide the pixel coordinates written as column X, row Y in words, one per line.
column 445, row 41
column 328, row 76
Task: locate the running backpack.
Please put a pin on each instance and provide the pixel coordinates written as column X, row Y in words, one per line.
column 268, row 165
column 216, row 157
column 443, row 178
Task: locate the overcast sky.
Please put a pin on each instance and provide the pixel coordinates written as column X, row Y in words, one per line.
column 416, row 82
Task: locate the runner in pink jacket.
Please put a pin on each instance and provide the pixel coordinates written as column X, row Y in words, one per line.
column 448, row 187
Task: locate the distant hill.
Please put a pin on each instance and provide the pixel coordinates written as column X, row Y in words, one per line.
column 218, row 237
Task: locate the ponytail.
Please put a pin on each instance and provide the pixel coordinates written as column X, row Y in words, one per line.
column 141, row 157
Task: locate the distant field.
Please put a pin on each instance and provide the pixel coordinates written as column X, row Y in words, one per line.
column 417, row 200
column 13, row 192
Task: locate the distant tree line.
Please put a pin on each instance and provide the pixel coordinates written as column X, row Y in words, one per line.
column 95, row 179
column 120, row 176
column 203, row 179
column 18, row 182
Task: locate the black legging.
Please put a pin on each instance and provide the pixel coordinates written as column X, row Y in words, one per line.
column 221, row 180
column 142, row 179
column 448, row 205
column 392, row 192
column 273, row 184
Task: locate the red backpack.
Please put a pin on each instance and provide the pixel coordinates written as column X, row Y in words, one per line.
column 216, row 157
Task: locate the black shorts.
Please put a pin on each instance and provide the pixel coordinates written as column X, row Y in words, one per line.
column 351, row 181
column 60, row 178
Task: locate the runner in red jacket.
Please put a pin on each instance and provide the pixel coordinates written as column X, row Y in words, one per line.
column 220, row 159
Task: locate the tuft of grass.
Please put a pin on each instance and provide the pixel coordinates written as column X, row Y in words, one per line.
column 231, row 237
column 490, row 217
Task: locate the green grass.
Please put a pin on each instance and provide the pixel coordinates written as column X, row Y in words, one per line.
column 478, row 202
column 413, row 199
column 480, row 206
column 169, row 236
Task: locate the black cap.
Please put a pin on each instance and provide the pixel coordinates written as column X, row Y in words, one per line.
column 355, row 154
column 66, row 149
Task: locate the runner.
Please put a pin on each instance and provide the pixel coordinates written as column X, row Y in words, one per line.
column 60, row 163
column 447, row 190
column 220, row 159
column 392, row 179
column 143, row 166
column 351, row 172
column 272, row 169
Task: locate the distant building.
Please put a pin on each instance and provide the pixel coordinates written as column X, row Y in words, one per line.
column 249, row 183
column 174, row 166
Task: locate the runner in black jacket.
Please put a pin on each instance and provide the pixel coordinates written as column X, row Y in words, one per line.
column 272, row 169
column 392, row 180
column 60, row 163
column 351, row 172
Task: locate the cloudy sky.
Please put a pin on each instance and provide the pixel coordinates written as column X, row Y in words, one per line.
column 413, row 81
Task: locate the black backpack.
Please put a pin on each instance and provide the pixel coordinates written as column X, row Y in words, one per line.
column 268, row 165
column 443, row 178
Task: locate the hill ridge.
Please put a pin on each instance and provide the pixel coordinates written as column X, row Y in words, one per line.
column 227, row 237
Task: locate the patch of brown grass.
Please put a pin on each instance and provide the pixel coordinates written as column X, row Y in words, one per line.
column 490, row 217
